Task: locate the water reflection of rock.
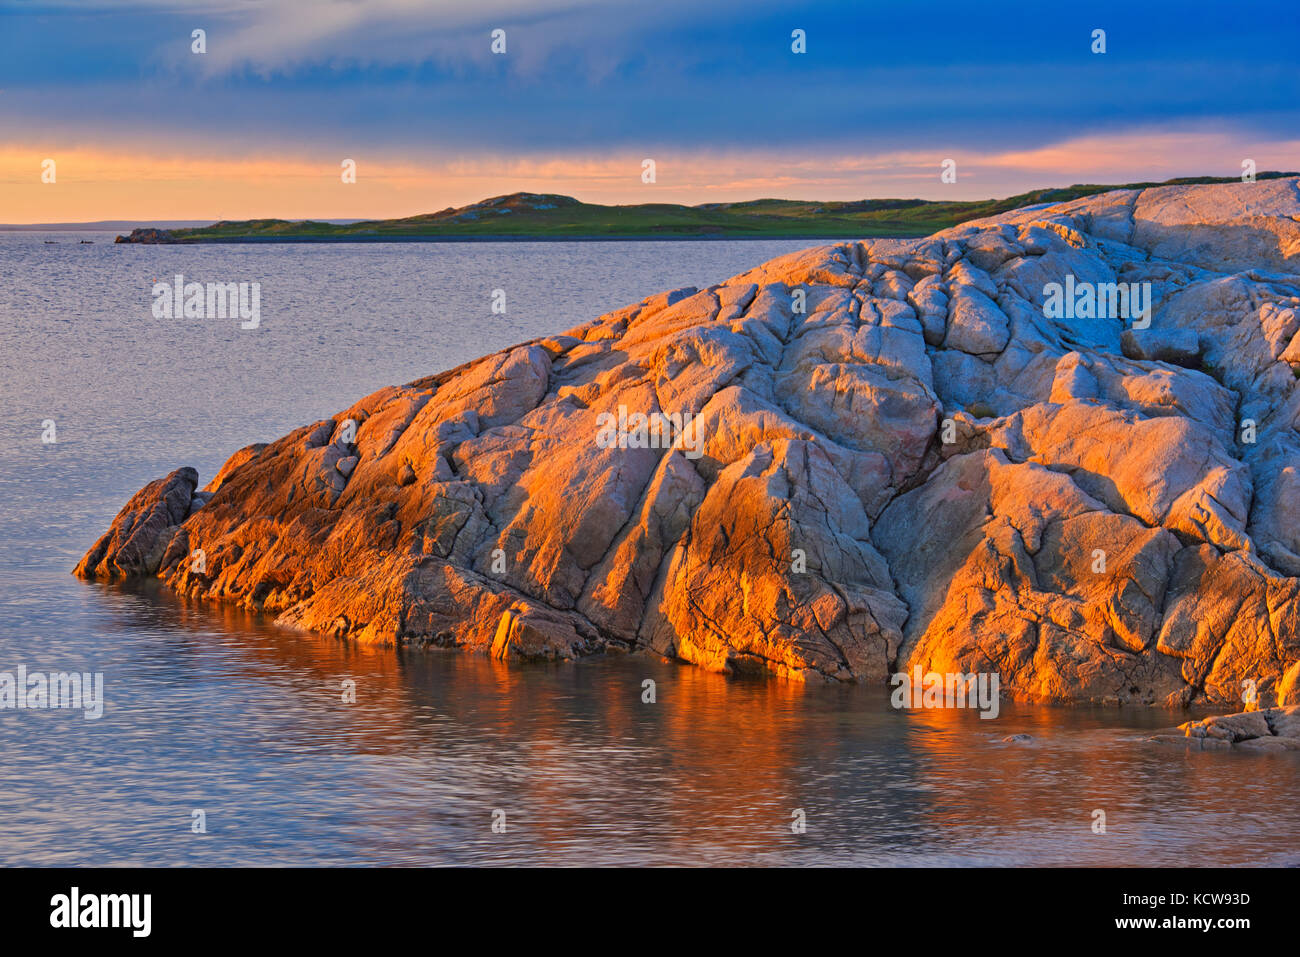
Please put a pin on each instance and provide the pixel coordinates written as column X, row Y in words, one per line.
column 712, row 771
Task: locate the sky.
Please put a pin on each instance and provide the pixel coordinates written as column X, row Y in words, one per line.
column 140, row 127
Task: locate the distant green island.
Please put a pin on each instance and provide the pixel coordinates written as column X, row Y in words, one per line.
column 542, row 216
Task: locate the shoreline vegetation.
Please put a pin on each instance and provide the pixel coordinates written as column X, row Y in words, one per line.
column 542, row 217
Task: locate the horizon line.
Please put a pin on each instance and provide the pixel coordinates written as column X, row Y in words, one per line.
column 178, row 222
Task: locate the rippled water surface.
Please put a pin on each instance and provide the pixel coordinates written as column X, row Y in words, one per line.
column 211, row 708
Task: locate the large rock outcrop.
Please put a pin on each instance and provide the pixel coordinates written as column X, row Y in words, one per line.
column 899, row 455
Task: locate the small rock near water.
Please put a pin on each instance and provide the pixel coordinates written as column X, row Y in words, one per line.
column 1273, row 729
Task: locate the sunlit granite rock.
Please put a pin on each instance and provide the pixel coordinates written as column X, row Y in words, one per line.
column 907, row 452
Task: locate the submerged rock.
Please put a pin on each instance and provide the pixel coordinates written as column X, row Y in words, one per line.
column 846, row 462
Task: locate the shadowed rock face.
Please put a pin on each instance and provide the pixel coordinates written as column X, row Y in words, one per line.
column 899, row 459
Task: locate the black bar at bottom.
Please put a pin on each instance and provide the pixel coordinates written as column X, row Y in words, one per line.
column 331, row 907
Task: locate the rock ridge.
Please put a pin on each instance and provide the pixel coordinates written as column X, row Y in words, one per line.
column 888, row 453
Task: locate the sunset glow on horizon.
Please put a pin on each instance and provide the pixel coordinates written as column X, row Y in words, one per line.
column 142, row 127
column 95, row 184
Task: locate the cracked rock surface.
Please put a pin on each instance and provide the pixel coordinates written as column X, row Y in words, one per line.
column 901, row 461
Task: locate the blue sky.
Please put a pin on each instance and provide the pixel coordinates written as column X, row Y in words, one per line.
column 884, row 93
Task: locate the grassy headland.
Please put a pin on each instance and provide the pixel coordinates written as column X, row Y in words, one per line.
column 537, row 216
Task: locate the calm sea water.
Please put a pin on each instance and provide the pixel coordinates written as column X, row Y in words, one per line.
column 213, row 709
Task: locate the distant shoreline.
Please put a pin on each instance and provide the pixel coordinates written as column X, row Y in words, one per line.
column 552, row 217
column 712, row 237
